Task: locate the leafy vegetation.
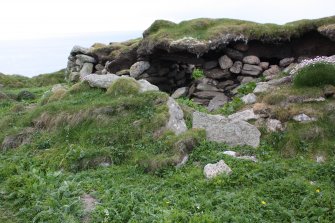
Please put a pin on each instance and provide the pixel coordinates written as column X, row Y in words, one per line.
column 197, row 73
column 317, row 74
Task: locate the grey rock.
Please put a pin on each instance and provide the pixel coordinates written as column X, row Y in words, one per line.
column 217, row 102
column 224, row 84
column 138, row 68
column 207, row 94
column 123, row 72
column 79, row 50
column 225, row 62
column 208, row 81
column 262, row 87
column 99, row 67
column 238, row 156
column 274, row 125
column 201, row 101
column 249, row 99
column 280, row 81
column 253, row 60
column 273, row 70
column 218, row 74
column 289, row 68
column 100, row 81
column 234, row 54
column 247, row 80
column 86, row 70
column 85, row 59
column 146, row 86
column 206, row 87
column 222, row 129
column 58, row 87
column 245, row 115
column 180, row 92
column 252, row 70
column 213, row 170
column 264, row 65
column 210, row 65
column 74, row 76
column 286, row 61
column 303, row 118
column 236, row 68
column 176, row 121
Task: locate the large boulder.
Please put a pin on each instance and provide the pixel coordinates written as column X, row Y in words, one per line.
column 225, row 62
column 222, row 129
column 79, row 50
column 86, row 70
column 100, row 81
column 176, row 121
column 138, row 68
column 252, row 70
column 253, row 60
column 213, row 170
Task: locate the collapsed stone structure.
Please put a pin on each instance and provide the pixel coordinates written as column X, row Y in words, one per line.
column 227, row 60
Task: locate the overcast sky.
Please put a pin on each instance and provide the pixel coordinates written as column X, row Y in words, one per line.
column 26, row 19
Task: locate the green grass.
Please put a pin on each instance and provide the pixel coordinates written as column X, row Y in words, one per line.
column 318, row 74
column 206, row 29
column 197, row 74
column 43, row 181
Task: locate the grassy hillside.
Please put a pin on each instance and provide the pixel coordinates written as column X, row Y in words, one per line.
column 208, row 29
column 88, row 141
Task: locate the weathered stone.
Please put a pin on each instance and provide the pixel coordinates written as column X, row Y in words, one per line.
column 58, row 87
column 225, row 62
column 245, row 115
column 99, row 67
column 264, row 65
column 280, row 81
column 146, row 86
column 206, row 87
column 289, row 68
column 201, row 101
column 176, row 121
column 245, row 80
column 238, row 156
column 124, row 72
column 86, row 70
column 286, row 61
column 210, row 65
column 252, row 70
column 274, row 125
column 217, row 102
column 234, row 54
column 222, row 129
column 303, row 118
column 180, row 92
column 253, row 60
column 100, row 81
column 79, row 50
column 138, row 68
column 273, row 70
column 25, row 95
column 224, row 84
column 262, row 87
column 237, row 67
column 85, row 59
column 213, row 170
column 208, row 81
column 207, row 94
column 249, row 99
column 218, row 74
column 262, row 110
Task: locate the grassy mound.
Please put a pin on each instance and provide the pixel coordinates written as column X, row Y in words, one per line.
column 207, row 29
column 318, row 74
column 123, row 87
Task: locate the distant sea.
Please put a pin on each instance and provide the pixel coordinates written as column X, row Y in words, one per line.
column 39, row 56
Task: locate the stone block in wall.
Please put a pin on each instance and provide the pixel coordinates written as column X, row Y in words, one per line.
column 218, row 74
column 207, row 94
column 225, row 62
column 234, row 54
column 236, row 68
column 252, row 70
column 252, row 60
column 210, row 65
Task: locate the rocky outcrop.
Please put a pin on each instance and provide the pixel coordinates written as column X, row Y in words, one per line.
column 213, row 170
column 234, row 132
